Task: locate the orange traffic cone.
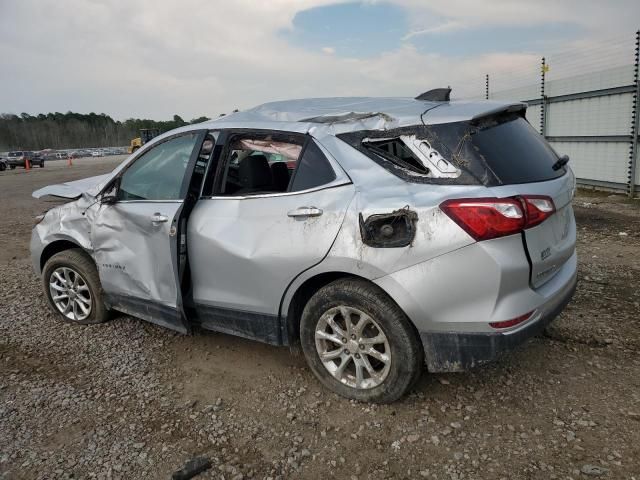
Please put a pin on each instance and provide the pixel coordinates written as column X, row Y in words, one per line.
column 69, row 161
column 27, row 164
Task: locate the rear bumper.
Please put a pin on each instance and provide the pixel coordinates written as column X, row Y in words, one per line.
column 456, row 351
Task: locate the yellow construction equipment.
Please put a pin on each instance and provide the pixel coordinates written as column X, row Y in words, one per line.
column 146, row 134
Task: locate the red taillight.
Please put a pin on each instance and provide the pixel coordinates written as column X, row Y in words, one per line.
column 486, row 218
column 513, row 322
column 538, row 209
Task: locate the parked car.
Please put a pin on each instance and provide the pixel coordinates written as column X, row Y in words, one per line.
column 37, row 158
column 412, row 231
column 18, row 159
column 97, row 153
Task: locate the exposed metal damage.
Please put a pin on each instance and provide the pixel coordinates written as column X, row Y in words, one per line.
column 389, row 230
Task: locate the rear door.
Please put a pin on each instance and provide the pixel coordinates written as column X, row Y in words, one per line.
column 136, row 236
column 274, row 212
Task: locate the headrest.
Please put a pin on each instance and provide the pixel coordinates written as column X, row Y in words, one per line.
column 280, row 173
column 254, row 172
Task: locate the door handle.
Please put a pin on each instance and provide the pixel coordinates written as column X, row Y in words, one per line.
column 159, row 218
column 305, row 212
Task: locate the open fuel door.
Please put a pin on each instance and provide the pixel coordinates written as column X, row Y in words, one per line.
column 138, row 233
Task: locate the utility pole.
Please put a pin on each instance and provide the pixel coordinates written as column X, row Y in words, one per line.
column 543, row 98
column 486, row 87
column 635, row 118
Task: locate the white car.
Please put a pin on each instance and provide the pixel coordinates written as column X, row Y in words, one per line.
column 97, row 153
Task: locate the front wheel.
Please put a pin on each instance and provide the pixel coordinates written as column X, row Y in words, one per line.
column 72, row 286
column 359, row 343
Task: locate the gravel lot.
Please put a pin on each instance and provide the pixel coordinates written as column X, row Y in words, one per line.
column 127, row 399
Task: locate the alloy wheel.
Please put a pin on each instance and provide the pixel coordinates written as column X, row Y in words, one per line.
column 70, row 294
column 352, row 347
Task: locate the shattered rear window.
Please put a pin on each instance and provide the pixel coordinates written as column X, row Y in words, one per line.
column 396, row 151
column 413, row 154
column 499, row 149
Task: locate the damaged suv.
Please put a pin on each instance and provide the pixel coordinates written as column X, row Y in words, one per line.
column 379, row 234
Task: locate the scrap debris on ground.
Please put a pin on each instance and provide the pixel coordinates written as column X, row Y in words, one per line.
column 128, row 399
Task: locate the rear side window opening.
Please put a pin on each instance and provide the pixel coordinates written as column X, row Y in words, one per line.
column 496, row 150
column 396, row 151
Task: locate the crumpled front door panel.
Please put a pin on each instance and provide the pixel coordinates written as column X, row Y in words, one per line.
column 137, row 260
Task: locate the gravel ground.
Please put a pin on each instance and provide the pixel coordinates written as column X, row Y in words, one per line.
column 127, row 399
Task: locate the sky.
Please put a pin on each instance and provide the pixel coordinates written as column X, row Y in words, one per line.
column 157, row 58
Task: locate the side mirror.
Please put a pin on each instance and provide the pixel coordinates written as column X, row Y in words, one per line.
column 110, row 195
column 108, row 200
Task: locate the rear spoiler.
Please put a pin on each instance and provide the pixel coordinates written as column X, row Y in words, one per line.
column 519, row 107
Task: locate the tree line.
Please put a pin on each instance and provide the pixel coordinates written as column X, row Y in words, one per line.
column 75, row 130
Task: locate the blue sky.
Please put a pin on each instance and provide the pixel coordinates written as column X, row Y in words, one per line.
column 352, row 29
column 364, row 29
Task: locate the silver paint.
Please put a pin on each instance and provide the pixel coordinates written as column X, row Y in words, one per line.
column 247, row 253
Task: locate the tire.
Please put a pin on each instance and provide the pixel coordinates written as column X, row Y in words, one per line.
column 3, row 167
column 41, row 164
column 13, row 167
column 361, row 300
column 78, row 262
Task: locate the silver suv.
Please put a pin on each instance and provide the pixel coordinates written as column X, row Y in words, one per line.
column 379, row 234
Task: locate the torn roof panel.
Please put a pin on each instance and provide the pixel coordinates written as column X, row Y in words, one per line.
column 344, row 114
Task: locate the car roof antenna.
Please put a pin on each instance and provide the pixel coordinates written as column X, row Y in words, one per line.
column 436, row 95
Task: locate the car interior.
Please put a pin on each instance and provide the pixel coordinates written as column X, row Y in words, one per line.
column 255, row 166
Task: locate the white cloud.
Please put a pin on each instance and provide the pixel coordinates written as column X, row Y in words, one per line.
column 448, row 26
column 328, row 50
column 147, row 58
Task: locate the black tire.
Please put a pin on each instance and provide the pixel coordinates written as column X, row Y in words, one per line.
column 3, row 167
column 407, row 356
column 79, row 261
column 13, row 167
column 41, row 164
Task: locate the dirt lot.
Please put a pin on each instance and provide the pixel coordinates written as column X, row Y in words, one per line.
column 127, row 399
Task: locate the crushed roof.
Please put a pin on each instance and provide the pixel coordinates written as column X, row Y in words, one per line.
column 342, row 114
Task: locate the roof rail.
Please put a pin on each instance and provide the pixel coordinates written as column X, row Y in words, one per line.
column 436, row 95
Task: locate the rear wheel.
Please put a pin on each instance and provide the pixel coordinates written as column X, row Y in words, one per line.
column 72, row 286
column 3, row 167
column 13, row 167
column 359, row 343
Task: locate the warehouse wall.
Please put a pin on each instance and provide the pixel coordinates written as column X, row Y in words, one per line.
column 601, row 117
